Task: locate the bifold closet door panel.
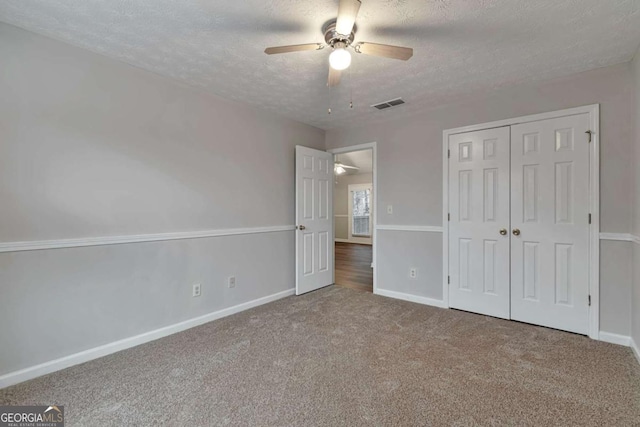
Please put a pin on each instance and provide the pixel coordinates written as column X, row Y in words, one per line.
column 479, row 222
column 550, row 223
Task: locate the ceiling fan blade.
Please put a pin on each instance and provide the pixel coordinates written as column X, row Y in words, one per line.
column 334, row 77
column 293, row 48
column 384, row 50
column 349, row 167
column 347, row 12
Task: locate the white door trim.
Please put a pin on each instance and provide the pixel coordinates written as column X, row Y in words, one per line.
column 594, row 199
column 373, row 146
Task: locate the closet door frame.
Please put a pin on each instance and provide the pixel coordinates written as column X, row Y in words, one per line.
column 594, row 200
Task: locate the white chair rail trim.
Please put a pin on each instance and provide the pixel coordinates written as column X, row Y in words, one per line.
column 117, row 240
column 420, row 228
column 620, row 237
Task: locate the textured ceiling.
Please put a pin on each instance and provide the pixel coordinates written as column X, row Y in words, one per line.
column 362, row 159
column 460, row 46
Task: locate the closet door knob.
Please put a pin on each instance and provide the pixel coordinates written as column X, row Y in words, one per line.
column 503, row 231
column 516, row 232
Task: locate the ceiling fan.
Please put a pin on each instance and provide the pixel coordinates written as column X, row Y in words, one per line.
column 340, row 168
column 339, row 34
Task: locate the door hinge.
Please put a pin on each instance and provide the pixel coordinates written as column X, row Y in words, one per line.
column 590, row 133
column 589, row 218
column 448, row 217
column 589, row 300
column 448, row 154
column 448, row 280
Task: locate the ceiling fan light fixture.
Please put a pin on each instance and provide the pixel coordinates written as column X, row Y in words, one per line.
column 340, row 59
column 340, row 170
column 339, row 34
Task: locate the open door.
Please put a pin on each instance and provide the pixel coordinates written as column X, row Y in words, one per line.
column 314, row 219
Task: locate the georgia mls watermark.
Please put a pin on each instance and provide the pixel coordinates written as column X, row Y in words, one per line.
column 32, row 416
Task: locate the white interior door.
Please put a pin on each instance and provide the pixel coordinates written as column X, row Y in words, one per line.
column 479, row 222
column 314, row 219
column 550, row 223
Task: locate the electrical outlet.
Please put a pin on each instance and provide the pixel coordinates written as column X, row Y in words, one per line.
column 196, row 290
column 231, row 282
column 413, row 273
column 390, row 209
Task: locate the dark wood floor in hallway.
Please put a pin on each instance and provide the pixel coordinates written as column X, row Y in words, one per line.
column 353, row 266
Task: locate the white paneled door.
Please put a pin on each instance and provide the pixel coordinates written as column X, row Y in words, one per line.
column 314, row 219
column 550, row 223
column 519, row 224
column 479, row 222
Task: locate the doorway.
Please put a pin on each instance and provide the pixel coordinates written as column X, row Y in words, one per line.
column 354, row 218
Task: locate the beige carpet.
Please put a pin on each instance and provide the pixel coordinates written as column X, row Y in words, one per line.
column 343, row 357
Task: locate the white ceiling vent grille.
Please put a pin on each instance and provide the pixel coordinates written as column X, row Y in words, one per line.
column 389, row 104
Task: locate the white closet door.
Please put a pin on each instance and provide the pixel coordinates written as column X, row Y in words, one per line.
column 550, row 223
column 479, row 211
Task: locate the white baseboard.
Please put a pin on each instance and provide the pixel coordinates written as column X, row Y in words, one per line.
column 635, row 349
column 352, row 241
column 615, row 338
column 621, row 340
column 412, row 298
column 32, row 372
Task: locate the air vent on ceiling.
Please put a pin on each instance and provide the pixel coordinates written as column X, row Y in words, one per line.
column 389, row 104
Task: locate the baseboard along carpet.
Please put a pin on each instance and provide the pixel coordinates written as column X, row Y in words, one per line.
column 343, row 357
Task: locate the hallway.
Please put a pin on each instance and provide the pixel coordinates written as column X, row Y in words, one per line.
column 353, row 266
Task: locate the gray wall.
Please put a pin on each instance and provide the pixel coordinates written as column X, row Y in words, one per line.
column 92, row 147
column 636, row 210
column 341, row 200
column 410, row 158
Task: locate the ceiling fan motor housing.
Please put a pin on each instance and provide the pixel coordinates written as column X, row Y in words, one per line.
column 331, row 37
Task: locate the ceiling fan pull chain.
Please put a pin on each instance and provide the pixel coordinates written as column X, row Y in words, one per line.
column 350, row 91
